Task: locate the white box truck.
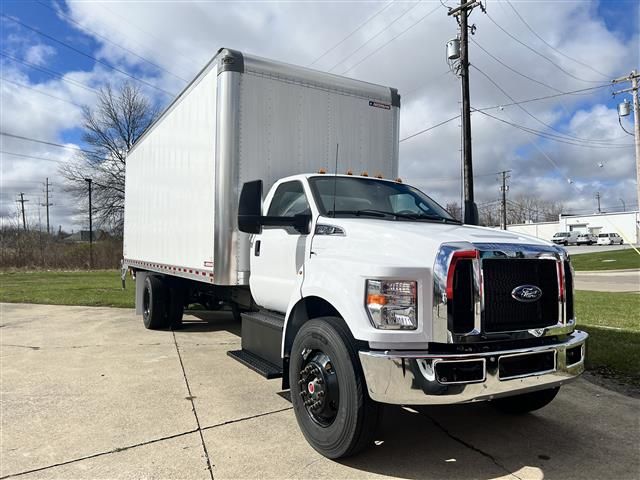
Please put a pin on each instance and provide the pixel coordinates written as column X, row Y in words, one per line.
column 355, row 288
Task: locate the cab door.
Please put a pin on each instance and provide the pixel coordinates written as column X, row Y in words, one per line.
column 278, row 253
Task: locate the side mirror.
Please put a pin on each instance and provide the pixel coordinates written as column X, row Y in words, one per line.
column 250, row 207
column 302, row 223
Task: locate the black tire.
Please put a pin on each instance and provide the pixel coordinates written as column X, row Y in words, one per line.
column 175, row 307
column 526, row 402
column 154, row 303
column 347, row 419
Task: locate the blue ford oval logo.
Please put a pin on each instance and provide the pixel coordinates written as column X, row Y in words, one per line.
column 526, row 293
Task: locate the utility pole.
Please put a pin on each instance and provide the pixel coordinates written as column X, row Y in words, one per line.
column 90, row 181
column 22, row 200
column 503, row 189
column 633, row 77
column 598, row 198
column 46, row 202
column 461, row 13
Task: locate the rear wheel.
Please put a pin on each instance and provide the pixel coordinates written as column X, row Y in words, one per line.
column 175, row 308
column 526, row 402
column 154, row 303
column 328, row 391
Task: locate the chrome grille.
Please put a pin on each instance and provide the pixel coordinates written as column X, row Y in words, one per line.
column 503, row 313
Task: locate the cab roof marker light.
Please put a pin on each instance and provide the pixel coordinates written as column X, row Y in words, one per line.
column 322, row 171
column 398, row 180
column 364, row 174
column 457, row 256
column 379, row 175
column 349, row 172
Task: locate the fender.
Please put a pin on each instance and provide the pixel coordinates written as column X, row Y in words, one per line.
column 340, row 282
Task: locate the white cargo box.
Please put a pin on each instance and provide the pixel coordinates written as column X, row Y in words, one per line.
column 243, row 118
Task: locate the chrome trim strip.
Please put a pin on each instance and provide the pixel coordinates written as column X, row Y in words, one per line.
column 395, row 377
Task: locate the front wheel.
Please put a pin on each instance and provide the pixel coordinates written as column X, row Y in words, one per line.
column 328, row 390
column 526, row 402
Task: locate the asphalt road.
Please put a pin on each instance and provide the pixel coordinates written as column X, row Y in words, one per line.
column 574, row 249
column 609, row 281
column 89, row 393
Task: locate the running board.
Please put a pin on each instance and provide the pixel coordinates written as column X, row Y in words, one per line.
column 259, row 365
column 261, row 340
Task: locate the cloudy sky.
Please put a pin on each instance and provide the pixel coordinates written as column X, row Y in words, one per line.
column 564, row 148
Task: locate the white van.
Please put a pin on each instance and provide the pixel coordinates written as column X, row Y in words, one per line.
column 565, row 238
column 609, row 239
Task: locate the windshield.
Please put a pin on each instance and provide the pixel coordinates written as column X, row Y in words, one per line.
column 357, row 196
column 561, row 235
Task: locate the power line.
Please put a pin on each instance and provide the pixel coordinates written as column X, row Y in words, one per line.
column 573, row 137
column 573, row 92
column 352, row 33
column 80, row 52
column 429, row 128
column 551, row 46
column 32, row 156
column 87, row 29
column 375, row 36
column 40, row 92
column 28, row 139
column 391, row 40
column 52, row 73
column 550, row 136
column 147, row 33
column 538, row 53
column 513, row 69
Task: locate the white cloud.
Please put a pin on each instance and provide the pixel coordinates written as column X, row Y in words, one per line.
column 181, row 38
column 39, row 54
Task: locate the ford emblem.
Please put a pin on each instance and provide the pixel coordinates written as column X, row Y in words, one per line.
column 526, row 293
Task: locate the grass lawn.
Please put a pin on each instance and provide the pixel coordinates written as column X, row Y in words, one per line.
column 613, row 323
column 609, row 260
column 101, row 288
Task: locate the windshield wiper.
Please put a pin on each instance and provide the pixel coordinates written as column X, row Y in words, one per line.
column 382, row 213
column 359, row 213
column 426, row 216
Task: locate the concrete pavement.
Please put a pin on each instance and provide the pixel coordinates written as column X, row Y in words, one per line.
column 89, row 393
column 609, row 281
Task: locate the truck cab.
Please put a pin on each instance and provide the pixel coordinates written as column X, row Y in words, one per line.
column 385, row 298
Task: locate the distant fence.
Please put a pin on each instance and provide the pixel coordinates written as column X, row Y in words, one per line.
column 37, row 250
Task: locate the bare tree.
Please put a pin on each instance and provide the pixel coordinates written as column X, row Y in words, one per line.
column 110, row 130
column 455, row 210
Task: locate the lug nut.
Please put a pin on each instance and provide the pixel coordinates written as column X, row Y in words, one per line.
column 321, row 393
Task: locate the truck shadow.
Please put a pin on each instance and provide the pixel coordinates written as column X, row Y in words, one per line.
column 475, row 441
column 197, row 321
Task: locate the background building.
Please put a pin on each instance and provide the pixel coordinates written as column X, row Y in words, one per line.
column 625, row 224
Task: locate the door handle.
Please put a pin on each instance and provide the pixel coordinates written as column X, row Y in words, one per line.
column 256, row 251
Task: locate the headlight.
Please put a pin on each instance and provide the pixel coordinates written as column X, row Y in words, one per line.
column 392, row 304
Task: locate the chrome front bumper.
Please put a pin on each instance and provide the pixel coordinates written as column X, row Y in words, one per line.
column 411, row 378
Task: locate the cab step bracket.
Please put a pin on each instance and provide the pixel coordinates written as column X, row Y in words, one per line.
column 261, row 341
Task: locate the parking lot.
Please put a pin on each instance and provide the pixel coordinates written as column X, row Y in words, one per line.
column 89, row 393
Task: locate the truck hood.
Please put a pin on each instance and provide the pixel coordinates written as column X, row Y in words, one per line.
column 405, row 242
